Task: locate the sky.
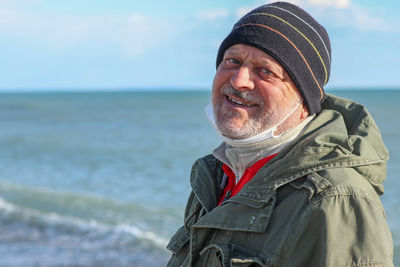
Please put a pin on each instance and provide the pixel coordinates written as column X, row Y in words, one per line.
column 130, row 44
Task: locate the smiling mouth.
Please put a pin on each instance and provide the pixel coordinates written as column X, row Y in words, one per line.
column 239, row 103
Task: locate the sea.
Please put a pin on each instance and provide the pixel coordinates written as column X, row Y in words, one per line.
column 102, row 178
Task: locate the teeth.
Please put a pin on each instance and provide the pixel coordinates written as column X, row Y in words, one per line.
column 239, row 102
column 236, row 101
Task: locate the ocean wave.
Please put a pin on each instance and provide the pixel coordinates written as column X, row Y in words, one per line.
column 71, row 225
column 88, row 216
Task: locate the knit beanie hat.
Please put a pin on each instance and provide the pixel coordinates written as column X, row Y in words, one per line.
column 292, row 37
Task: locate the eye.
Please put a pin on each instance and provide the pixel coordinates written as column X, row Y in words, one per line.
column 266, row 71
column 231, row 62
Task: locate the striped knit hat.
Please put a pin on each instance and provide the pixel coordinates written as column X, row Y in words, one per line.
column 295, row 39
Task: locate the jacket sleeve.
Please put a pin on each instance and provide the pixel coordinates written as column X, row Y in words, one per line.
column 341, row 230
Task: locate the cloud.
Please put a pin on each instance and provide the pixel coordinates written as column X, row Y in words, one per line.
column 14, row 3
column 241, row 11
column 356, row 17
column 329, row 3
column 139, row 33
column 318, row 3
column 212, row 15
column 341, row 14
column 370, row 20
column 131, row 34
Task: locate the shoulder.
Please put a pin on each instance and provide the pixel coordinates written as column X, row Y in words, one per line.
column 339, row 188
column 207, row 162
column 343, row 182
column 343, row 223
column 207, row 168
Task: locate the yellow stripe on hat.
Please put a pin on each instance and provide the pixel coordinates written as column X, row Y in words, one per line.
column 305, row 37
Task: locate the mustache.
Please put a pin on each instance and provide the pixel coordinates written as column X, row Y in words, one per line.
column 247, row 96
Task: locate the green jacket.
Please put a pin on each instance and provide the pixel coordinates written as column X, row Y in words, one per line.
column 315, row 204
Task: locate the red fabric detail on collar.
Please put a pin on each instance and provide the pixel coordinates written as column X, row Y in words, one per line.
column 231, row 188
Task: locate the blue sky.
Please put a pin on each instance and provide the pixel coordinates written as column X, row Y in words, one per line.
column 121, row 44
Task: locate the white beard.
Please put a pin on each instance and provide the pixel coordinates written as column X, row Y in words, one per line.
column 262, row 134
column 252, row 127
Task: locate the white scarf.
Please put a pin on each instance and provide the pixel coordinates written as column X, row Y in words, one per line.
column 241, row 154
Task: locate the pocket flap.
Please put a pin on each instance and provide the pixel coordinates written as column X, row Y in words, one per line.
column 178, row 240
column 239, row 214
column 253, row 262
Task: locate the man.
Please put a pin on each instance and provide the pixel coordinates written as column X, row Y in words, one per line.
column 297, row 180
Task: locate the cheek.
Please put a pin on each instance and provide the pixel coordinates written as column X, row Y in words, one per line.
column 221, row 79
column 268, row 93
column 275, row 95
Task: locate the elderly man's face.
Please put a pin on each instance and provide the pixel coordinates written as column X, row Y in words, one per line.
column 252, row 92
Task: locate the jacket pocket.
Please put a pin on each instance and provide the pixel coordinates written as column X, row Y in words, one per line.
column 231, row 255
column 178, row 245
column 178, row 240
column 249, row 262
column 243, row 257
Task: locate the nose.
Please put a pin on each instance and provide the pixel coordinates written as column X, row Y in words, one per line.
column 241, row 80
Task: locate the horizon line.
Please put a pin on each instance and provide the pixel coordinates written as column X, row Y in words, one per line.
column 169, row 89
